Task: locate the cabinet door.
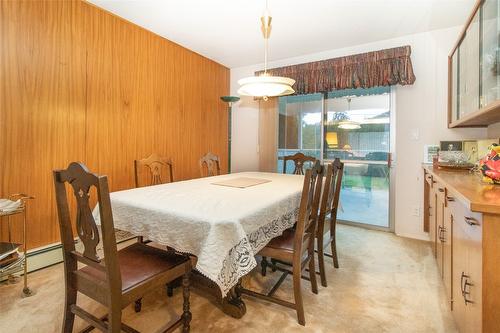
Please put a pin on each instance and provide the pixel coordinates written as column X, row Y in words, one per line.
column 455, row 111
column 490, row 52
column 459, row 270
column 467, row 269
column 447, row 241
column 432, row 221
column 440, row 226
column 473, row 284
column 468, row 59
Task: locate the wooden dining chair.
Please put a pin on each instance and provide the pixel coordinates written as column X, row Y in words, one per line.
column 299, row 160
column 211, row 164
column 157, row 166
column 121, row 277
column 327, row 218
column 295, row 247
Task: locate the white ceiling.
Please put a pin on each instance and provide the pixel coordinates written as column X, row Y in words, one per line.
column 228, row 31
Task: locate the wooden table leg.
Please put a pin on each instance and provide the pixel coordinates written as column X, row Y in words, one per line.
column 231, row 305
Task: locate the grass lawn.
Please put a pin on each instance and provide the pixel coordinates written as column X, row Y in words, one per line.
column 375, row 183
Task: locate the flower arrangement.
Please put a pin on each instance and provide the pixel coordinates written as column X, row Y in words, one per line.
column 490, row 165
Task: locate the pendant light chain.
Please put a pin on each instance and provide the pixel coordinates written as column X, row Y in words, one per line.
column 265, row 85
column 266, row 27
column 266, row 47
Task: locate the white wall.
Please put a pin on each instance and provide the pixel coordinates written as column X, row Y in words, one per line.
column 421, row 117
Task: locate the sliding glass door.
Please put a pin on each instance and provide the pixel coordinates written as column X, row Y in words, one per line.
column 355, row 126
column 300, row 127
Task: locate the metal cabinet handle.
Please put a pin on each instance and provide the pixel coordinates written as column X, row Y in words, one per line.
column 464, row 283
column 449, row 198
column 471, row 221
column 441, row 231
column 441, row 189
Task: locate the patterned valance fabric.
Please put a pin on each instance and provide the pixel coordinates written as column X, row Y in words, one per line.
column 366, row 70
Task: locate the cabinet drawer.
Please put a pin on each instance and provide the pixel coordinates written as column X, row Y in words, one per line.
column 470, row 222
column 473, row 224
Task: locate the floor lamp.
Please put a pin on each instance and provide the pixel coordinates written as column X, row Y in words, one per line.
column 230, row 100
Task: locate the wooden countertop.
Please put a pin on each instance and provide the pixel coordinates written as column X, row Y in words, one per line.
column 468, row 188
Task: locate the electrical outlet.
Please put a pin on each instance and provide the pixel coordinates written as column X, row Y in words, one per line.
column 416, row 211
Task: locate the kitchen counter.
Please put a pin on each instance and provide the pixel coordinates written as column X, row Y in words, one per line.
column 469, row 189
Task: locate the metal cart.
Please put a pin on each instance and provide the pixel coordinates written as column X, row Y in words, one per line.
column 20, row 263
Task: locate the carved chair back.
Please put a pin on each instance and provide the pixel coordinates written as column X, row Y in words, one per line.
column 308, row 212
column 299, row 160
column 160, row 170
column 209, row 165
column 330, row 197
column 82, row 182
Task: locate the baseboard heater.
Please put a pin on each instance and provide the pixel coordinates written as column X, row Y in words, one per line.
column 50, row 255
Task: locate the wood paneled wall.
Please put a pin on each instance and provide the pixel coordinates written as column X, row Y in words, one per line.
column 78, row 83
column 268, row 135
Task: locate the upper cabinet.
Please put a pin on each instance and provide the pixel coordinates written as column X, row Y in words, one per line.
column 474, row 69
column 490, row 66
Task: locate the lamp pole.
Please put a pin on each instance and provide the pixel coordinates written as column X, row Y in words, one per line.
column 229, row 100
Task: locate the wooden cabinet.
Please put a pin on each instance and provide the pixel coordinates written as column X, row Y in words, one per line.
column 459, row 267
column 473, row 283
column 430, row 211
column 474, row 69
column 439, row 221
column 467, row 269
column 447, row 244
column 440, row 226
column 466, row 241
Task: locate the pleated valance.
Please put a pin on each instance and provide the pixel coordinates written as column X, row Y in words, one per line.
column 373, row 69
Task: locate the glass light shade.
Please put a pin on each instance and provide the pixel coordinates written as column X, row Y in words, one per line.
column 331, row 139
column 348, row 124
column 266, row 86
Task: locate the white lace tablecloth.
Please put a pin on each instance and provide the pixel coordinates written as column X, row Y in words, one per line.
column 223, row 226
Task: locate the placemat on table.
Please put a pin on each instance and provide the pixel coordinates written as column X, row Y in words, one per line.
column 242, row 182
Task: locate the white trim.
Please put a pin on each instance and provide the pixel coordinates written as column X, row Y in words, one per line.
column 44, row 256
column 392, row 169
column 51, row 254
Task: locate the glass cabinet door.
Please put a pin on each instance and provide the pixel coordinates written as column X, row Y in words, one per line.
column 454, row 87
column 468, row 53
column 490, row 67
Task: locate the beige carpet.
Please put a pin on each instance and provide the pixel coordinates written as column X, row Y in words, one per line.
column 384, row 284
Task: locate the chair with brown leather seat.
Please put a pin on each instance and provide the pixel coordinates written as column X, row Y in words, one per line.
column 299, row 160
column 327, row 219
column 160, row 170
column 209, row 165
column 120, row 277
column 295, row 247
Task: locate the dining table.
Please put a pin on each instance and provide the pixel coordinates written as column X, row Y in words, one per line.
column 222, row 220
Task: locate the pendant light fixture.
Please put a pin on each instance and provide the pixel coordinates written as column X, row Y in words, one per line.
column 266, row 85
column 349, row 124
